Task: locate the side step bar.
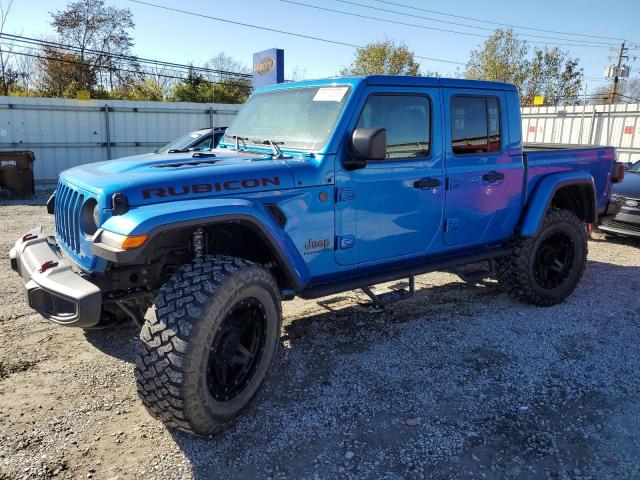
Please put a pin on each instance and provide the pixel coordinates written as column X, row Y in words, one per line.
column 392, row 296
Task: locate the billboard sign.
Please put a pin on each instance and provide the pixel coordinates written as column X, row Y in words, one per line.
column 268, row 67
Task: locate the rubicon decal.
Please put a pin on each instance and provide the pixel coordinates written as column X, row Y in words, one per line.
column 229, row 185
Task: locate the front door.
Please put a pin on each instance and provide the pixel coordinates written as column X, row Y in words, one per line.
column 396, row 204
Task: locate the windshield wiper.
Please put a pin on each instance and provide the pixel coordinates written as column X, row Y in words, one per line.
column 276, row 150
column 178, row 150
column 237, row 138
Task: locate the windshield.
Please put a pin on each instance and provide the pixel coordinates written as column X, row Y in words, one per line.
column 297, row 118
column 182, row 143
column 635, row 168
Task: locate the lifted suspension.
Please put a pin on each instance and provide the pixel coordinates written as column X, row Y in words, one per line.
column 199, row 242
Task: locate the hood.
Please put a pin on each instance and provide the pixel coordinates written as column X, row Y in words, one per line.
column 153, row 178
column 630, row 186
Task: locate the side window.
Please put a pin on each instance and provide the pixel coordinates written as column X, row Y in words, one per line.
column 407, row 120
column 475, row 125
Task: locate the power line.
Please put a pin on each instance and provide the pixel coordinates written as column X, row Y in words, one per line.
column 119, row 69
column 596, row 43
column 268, row 29
column 398, row 22
column 45, row 43
column 495, row 23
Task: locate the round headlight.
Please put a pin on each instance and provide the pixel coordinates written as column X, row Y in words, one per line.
column 96, row 215
column 90, row 217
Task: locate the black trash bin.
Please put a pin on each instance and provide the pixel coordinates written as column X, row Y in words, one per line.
column 16, row 175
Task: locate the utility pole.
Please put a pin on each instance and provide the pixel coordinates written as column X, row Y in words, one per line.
column 614, row 86
column 618, row 69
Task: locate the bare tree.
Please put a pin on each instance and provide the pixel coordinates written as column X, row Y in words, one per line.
column 27, row 68
column 6, row 49
column 100, row 37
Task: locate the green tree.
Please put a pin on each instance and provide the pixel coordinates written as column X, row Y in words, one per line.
column 549, row 72
column 502, row 58
column 222, row 86
column 554, row 75
column 383, row 58
column 143, row 89
column 194, row 88
column 62, row 74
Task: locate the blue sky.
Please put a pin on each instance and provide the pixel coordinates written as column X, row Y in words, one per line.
column 180, row 38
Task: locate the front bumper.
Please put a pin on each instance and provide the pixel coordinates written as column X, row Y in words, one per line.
column 622, row 224
column 626, row 220
column 53, row 289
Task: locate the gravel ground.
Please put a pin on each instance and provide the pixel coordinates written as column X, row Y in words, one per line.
column 457, row 382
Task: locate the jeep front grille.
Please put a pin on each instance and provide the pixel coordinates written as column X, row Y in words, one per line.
column 67, row 216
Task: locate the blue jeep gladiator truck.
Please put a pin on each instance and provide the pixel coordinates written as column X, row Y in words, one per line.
column 318, row 187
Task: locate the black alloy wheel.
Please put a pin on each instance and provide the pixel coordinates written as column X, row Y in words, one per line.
column 554, row 260
column 236, row 349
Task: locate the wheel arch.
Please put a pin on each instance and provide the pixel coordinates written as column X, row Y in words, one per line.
column 573, row 191
column 258, row 237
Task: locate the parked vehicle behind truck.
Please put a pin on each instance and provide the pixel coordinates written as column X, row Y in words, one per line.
column 318, row 187
column 627, row 195
column 202, row 140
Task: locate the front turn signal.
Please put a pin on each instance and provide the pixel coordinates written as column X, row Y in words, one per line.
column 133, row 242
column 122, row 242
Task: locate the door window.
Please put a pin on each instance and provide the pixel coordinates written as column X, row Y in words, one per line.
column 475, row 125
column 407, row 120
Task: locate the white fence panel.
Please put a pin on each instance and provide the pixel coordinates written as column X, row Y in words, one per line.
column 64, row 133
column 616, row 125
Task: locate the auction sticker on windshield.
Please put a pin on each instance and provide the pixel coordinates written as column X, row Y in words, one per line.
column 330, row 94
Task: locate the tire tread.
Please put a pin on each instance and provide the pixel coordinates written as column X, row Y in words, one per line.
column 160, row 353
column 513, row 272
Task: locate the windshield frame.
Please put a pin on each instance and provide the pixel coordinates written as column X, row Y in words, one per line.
column 230, row 142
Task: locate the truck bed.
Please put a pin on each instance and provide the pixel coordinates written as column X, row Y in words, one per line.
column 543, row 159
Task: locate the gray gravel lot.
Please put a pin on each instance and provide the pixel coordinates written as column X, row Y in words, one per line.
column 457, row 382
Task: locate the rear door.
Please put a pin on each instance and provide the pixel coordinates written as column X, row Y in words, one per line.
column 484, row 181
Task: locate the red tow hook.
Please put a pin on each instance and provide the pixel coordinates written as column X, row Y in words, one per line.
column 28, row 236
column 47, row 265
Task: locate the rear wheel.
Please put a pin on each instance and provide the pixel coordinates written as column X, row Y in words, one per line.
column 546, row 269
column 202, row 359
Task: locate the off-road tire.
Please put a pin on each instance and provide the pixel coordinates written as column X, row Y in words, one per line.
column 517, row 272
column 174, row 353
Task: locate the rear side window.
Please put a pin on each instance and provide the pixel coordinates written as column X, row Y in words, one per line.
column 406, row 118
column 475, row 125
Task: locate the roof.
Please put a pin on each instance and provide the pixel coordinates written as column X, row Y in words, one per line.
column 398, row 81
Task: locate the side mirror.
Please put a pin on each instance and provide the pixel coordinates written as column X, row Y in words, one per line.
column 367, row 144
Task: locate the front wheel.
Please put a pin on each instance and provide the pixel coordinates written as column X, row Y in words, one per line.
column 205, row 354
column 546, row 269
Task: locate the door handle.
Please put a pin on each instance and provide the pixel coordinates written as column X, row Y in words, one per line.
column 425, row 183
column 493, row 176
